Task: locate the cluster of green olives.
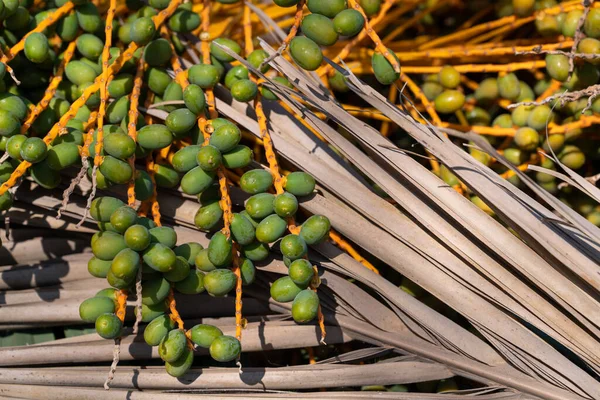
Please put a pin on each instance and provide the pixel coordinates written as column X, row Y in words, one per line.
column 327, row 21
column 127, row 243
column 101, row 311
column 481, row 108
column 261, row 224
column 530, row 121
column 563, row 23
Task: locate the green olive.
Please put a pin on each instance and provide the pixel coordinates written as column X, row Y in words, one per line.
column 554, row 143
column 160, row 257
column 88, row 17
column 286, row 3
column 92, row 308
column 449, row 77
column 515, row 156
column 225, row 348
column 115, row 170
column 370, row 7
column 260, row 205
column 180, row 366
column 244, row 90
column 591, row 26
column 205, row 76
column 572, row 157
column 305, row 306
column 163, row 235
column 192, row 284
column 383, row 70
column 194, row 99
column 523, row 8
column 172, row 346
column 125, row 264
column 569, row 26
column 589, row 46
column 306, row 53
column 179, row 272
column 79, row 73
column 121, row 85
column 270, row 229
column 256, row 181
column 299, row 183
column 349, row 22
column 44, row 176
column 235, row 74
column 118, row 283
column 315, row 229
column 487, row 91
column 142, row 30
column 154, row 136
column 102, row 208
column 584, row 75
column 225, row 137
column 189, row 251
column 328, row 8
column 137, row 237
column 157, row 329
column 34, row 150
column 449, row 101
column 542, row 177
column 284, row 290
column 320, row 29
column 185, row 158
column 247, row 271
column 285, row 205
column 158, row 79
column 527, row 139
column 13, row 145
column 180, row 121
column 98, row 268
column 557, row 66
column 119, row 145
column 256, row 251
column 209, row 158
column 196, row 181
column 242, row 229
column 157, row 53
column 219, row 249
column 109, row 326
column 108, row 245
column 219, row 282
column 293, row 246
column 508, row 86
column 209, row 217
column 9, row 125
column 36, row 47
column 149, row 313
column 239, row 157
column 539, row 117
column 520, row 115
column 301, row 272
column 221, row 55
column 338, row 82
column 155, row 290
column 202, row 261
column 203, row 335
column 184, row 21
column 256, row 58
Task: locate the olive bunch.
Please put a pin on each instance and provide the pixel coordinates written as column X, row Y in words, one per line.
column 127, row 243
column 327, row 22
column 481, row 108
